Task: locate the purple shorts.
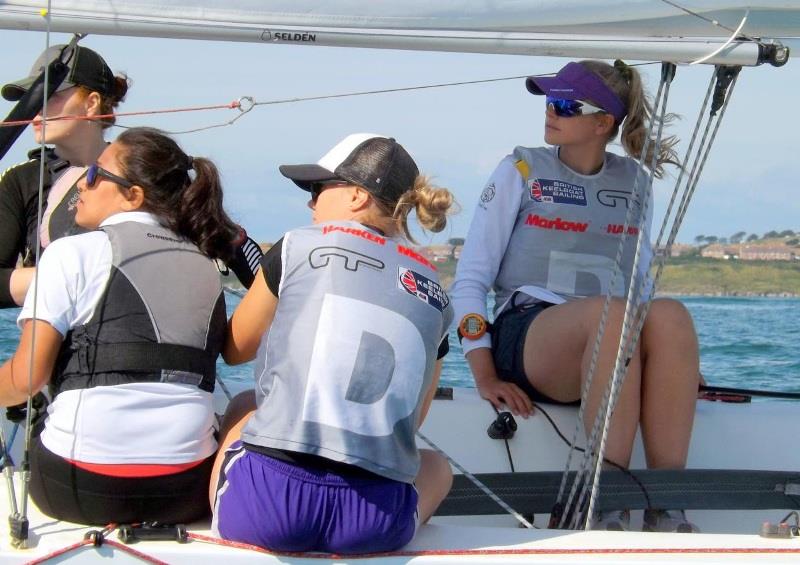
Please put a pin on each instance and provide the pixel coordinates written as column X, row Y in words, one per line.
column 282, row 506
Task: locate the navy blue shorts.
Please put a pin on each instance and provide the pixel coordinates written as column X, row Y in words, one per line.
column 282, row 506
column 508, row 347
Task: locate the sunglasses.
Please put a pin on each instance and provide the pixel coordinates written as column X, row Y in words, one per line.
column 95, row 171
column 566, row 108
column 318, row 187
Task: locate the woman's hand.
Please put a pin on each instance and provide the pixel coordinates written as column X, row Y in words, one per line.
column 501, row 393
column 496, row 391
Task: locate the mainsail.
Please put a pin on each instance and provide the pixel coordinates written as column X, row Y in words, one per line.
column 679, row 32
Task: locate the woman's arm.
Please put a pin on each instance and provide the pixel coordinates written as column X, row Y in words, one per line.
column 16, row 380
column 487, row 240
column 250, row 321
column 426, row 402
column 14, row 205
column 19, row 282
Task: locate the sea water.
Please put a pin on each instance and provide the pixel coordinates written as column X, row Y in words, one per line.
column 744, row 343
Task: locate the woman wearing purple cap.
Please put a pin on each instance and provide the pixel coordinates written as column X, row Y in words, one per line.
column 90, row 89
column 348, row 326
column 545, row 237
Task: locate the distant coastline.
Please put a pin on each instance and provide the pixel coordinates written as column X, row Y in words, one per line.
column 699, row 276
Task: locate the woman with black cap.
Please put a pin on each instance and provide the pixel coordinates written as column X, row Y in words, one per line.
column 545, row 236
column 348, row 325
column 129, row 319
column 84, row 106
column 89, row 89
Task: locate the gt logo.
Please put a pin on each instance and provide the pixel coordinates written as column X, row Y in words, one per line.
column 352, row 260
column 610, row 198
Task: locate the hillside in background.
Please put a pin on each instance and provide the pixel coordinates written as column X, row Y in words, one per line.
column 695, row 270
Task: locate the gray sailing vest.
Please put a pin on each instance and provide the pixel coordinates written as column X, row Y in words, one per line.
column 351, row 351
column 161, row 317
column 568, row 228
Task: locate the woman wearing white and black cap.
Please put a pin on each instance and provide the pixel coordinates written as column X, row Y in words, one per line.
column 545, row 236
column 89, row 89
column 348, row 325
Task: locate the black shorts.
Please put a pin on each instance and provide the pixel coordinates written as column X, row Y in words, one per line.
column 66, row 492
column 508, row 347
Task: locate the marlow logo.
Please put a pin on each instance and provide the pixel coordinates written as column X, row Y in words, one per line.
column 556, row 224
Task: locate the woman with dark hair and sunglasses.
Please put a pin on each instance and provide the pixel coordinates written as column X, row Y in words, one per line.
column 129, row 319
column 89, row 90
column 349, row 327
column 545, row 236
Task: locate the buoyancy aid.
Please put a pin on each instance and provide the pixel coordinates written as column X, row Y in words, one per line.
column 161, row 317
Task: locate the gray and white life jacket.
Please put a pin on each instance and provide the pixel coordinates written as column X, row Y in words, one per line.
column 351, row 351
column 568, row 228
column 161, row 317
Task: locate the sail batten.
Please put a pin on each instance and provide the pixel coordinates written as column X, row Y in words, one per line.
column 632, row 29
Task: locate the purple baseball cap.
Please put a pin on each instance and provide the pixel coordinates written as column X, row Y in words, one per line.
column 576, row 82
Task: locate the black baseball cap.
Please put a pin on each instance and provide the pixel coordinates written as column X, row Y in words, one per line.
column 86, row 68
column 375, row 162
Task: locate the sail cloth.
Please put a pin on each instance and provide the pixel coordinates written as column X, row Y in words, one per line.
column 631, row 29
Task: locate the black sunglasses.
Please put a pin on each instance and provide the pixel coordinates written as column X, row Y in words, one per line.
column 95, row 171
column 318, row 187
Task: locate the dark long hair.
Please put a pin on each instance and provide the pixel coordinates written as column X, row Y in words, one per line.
column 189, row 207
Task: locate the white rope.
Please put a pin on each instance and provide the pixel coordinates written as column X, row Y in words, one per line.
column 477, row 482
column 733, row 36
column 628, row 339
column 570, row 509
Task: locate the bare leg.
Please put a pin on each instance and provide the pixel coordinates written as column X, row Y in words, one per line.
column 238, row 412
column 669, row 385
column 433, row 482
column 558, row 352
column 660, row 386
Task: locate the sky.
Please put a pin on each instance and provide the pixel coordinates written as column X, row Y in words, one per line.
column 457, row 134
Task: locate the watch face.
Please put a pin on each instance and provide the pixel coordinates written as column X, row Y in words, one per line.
column 472, row 326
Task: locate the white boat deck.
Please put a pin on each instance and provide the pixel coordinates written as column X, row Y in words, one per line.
column 725, row 437
column 435, row 543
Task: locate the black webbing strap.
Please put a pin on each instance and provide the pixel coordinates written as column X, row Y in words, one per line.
column 690, row 489
column 120, row 363
column 150, row 357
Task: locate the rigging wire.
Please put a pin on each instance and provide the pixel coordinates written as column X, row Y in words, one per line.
column 22, row 515
column 477, row 482
column 733, row 36
column 568, row 511
column 713, row 22
column 636, row 292
column 246, row 103
column 619, row 467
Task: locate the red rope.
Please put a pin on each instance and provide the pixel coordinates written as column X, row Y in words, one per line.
column 121, row 546
column 229, row 106
column 500, row 552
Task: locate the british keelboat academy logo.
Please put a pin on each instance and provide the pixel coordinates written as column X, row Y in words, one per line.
column 428, row 291
column 549, row 191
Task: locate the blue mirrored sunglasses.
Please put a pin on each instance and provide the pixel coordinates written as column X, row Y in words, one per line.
column 95, row 171
column 566, row 108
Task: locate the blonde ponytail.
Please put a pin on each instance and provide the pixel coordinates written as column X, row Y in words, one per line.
column 626, row 83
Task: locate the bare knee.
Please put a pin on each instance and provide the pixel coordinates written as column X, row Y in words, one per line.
column 669, row 319
column 433, row 482
column 438, row 468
